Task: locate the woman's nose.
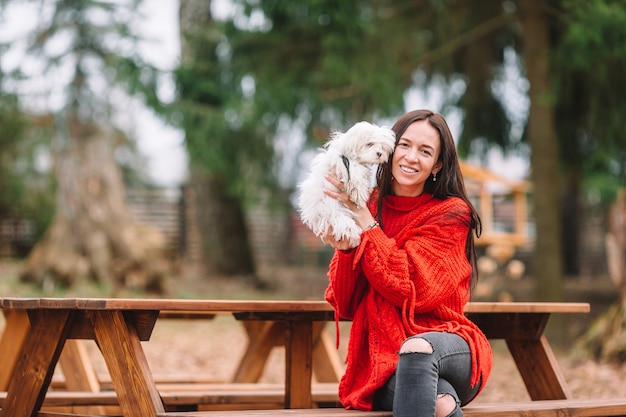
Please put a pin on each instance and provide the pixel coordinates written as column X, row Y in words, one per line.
column 412, row 154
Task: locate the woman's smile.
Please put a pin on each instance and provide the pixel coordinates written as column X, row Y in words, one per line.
column 408, row 169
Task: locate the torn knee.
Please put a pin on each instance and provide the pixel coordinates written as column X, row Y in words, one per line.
column 446, row 405
column 416, row 345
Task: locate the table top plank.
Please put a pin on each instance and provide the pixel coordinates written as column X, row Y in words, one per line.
column 199, row 307
column 527, row 307
column 170, row 305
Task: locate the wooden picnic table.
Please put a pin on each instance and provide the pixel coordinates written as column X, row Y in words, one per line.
column 120, row 325
column 80, row 377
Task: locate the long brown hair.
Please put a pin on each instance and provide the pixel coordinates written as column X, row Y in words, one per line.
column 449, row 180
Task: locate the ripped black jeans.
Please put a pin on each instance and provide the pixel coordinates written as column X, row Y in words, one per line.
column 421, row 377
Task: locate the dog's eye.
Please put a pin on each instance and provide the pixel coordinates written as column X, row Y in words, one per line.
column 369, row 144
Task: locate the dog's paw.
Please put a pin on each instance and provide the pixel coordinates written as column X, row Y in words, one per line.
column 355, row 241
column 355, row 197
column 347, row 229
column 358, row 196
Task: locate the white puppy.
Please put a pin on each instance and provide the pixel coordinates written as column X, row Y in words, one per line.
column 348, row 156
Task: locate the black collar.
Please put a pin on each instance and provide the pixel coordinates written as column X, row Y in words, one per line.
column 346, row 162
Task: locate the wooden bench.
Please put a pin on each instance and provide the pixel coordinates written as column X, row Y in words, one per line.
column 61, row 414
column 271, row 397
column 192, row 397
column 548, row 408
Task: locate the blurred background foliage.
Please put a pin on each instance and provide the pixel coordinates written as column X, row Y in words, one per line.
column 258, row 90
column 26, row 188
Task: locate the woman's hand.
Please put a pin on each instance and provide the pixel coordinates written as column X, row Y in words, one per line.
column 362, row 215
column 340, row 193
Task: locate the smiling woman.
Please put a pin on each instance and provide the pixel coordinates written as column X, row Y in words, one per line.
column 407, row 282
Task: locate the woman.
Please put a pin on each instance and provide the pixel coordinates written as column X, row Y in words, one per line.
column 411, row 349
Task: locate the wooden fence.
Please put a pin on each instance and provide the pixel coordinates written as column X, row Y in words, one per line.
column 276, row 237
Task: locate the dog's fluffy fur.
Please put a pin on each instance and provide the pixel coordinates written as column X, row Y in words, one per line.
column 348, row 156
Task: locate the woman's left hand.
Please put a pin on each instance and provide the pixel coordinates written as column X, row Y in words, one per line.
column 362, row 215
column 340, row 194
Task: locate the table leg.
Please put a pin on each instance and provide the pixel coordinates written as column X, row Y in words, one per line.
column 39, row 356
column 262, row 337
column 16, row 326
column 539, row 369
column 298, row 364
column 77, row 367
column 327, row 365
column 79, row 373
column 125, row 359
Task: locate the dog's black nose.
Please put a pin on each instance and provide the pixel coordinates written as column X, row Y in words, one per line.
column 379, row 154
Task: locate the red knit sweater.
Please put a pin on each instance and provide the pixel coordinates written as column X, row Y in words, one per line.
column 410, row 278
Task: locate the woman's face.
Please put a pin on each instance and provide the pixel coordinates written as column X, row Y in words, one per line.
column 415, row 158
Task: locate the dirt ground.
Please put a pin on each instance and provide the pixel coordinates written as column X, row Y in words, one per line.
column 211, row 349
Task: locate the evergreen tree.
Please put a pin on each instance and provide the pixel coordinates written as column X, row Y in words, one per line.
column 224, row 152
column 87, row 49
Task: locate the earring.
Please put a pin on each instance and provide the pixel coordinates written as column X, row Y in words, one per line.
column 435, row 177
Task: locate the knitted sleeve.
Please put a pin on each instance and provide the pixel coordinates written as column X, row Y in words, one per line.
column 425, row 262
column 346, row 284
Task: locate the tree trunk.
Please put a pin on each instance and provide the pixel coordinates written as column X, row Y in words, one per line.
column 572, row 215
column 225, row 244
column 606, row 337
column 221, row 218
column 544, row 160
column 92, row 234
column 616, row 245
